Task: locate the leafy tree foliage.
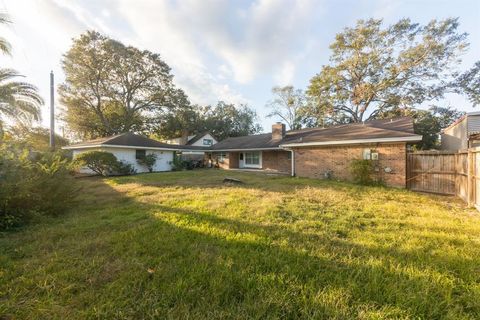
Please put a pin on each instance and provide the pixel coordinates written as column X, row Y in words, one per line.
column 469, row 84
column 428, row 123
column 375, row 69
column 33, row 138
column 288, row 105
column 226, row 120
column 222, row 120
column 175, row 122
column 111, row 88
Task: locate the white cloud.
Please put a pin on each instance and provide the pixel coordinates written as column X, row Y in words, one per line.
column 285, row 75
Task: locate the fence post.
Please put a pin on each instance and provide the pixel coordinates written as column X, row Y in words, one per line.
column 470, row 177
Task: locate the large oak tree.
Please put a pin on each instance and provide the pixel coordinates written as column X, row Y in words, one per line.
column 111, row 88
column 375, row 68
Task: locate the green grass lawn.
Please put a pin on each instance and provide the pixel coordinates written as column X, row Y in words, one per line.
column 182, row 245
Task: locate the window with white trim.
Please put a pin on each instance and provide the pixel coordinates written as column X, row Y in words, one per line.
column 252, row 158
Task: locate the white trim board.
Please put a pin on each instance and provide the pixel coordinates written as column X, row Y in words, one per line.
column 129, row 147
column 357, row 141
column 251, row 149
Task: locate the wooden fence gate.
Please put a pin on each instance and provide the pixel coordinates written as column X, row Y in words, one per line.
column 450, row 173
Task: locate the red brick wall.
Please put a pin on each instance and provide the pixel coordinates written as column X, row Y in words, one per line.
column 233, row 160
column 276, row 160
column 313, row 162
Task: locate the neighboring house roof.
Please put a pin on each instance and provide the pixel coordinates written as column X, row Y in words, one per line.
column 389, row 130
column 199, row 136
column 130, row 140
column 474, row 114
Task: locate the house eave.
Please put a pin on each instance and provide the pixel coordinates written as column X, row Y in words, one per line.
column 414, row 138
column 128, row 147
column 246, row 149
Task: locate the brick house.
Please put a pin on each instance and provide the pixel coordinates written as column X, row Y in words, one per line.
column 323, row 152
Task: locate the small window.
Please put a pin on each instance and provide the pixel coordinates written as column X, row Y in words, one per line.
column 207, row 142
column 241, row 156
column 140, row 154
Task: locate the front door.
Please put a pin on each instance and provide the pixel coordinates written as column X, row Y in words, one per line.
column 241, row 161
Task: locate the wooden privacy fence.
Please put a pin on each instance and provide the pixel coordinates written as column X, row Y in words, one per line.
column 451, row 173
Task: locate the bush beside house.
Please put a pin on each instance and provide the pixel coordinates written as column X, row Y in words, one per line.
column 103, row 163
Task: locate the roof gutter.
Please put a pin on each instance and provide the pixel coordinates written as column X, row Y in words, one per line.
column 129, row 147
column 246, row 149
column 355, row 141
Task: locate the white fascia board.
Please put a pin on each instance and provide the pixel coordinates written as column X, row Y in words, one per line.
column 115, row 146
column 356, row 141
column 251, row 149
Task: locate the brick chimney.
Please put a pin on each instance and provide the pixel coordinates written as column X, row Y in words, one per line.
column 278, row 131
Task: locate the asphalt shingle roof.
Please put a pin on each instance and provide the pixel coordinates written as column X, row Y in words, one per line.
column 389, row 128
column 376, row 129
column 134, row 140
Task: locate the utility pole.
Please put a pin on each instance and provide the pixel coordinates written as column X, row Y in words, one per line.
column 52, row 113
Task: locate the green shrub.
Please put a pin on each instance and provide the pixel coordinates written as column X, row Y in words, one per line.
column 122, row 168
column 100, row 162
column 178, row 164
column 363, row 172
column 149, row 161
column 33, row 184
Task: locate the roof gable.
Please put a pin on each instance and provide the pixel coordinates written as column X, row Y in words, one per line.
column 199, row 136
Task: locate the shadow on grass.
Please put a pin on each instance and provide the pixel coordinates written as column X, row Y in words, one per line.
column 116, row 257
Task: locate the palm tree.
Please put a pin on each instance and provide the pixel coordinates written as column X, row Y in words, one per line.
column 18, row 100
column 4, row 44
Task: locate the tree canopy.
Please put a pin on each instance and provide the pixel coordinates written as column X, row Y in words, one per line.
column 33, row 138
column 111, row 88
column 222, row 120
column 227, row 120
column 374, row 69
column 468, row 83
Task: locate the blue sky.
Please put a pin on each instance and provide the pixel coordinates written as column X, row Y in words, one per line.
column 234, row 51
